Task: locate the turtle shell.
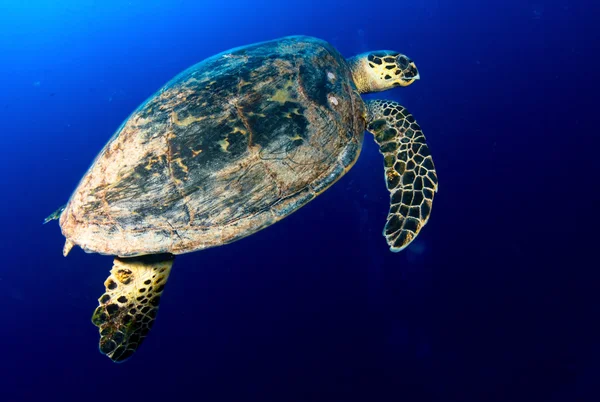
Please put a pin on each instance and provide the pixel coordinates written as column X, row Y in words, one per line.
column 228, row 147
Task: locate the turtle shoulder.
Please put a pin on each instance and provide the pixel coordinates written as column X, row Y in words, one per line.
column 226, row 148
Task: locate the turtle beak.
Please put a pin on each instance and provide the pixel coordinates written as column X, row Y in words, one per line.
column 411, row 73
column 417, row 77
column 408, row 71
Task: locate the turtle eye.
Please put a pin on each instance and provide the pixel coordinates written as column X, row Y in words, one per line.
column 403, row 62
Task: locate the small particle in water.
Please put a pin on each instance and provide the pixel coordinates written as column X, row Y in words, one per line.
column 331, row 76
column 333, row 100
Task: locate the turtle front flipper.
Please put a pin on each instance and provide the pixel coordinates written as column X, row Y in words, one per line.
column 409, row 170
column 128, row 308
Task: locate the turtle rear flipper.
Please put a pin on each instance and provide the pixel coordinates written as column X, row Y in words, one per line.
column 55, row 215
column 409, row 170
column 128, row 308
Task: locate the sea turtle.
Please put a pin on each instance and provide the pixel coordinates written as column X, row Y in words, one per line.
column 230, row 146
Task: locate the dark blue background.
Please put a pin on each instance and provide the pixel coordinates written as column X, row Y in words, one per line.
column 497, row 300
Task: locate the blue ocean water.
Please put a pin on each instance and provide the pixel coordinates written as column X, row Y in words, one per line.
column 497, row 299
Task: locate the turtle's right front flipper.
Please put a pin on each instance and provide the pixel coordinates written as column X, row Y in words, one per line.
column 409, row 170
column 128, row 308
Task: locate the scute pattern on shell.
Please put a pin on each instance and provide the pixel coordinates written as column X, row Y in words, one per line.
column 226, row 148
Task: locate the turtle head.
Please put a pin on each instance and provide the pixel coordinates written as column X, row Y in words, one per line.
column 381, row 70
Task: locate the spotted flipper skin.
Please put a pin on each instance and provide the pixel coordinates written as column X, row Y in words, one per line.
column 409, row 171
column 128, row 308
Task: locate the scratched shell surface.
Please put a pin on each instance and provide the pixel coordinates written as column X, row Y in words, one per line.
column 228, row 147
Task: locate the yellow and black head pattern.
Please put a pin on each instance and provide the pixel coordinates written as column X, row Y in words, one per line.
column 382, row 70
column 393, row 67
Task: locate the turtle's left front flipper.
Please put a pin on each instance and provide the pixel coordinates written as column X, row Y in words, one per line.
column 128, row 308
column 409, row 170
